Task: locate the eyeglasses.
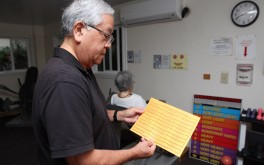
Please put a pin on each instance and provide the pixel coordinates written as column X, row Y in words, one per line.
column 108, row 37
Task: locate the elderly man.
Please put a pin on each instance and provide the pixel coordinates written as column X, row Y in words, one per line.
column 71, row 123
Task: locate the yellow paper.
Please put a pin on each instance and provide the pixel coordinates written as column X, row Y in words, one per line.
column 170, row 128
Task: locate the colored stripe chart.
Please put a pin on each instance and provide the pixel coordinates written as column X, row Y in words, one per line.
column 217, row 132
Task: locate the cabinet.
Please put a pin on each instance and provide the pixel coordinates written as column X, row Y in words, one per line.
column 251, row 151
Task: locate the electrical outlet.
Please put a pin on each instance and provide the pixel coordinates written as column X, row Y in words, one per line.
column 224, row 78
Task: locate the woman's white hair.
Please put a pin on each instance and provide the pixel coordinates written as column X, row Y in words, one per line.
column 124, row 80
column 88, row 11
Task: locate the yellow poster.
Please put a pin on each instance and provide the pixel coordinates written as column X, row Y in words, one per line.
column 170, row 128
column 179, row 61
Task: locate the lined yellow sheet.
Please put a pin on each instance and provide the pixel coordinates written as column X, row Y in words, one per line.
column 170, row 128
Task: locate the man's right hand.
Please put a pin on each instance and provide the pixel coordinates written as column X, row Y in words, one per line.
column 145, row 148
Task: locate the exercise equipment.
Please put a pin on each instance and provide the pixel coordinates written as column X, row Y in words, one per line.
column 245, row 152
column 253, row 114
column 259, row 117
column 259, row 152
column 226, row 160
column 248, row 112
column 244, row 113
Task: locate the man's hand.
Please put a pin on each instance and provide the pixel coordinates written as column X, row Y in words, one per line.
column 130, row 115
column 145, row 148
column 98, row 156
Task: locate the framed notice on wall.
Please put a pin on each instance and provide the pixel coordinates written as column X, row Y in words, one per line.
column 218, row 129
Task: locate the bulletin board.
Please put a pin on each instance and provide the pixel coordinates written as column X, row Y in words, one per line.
column 217, row 132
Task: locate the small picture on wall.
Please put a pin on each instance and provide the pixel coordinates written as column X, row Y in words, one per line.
column 137, row 56
column 166, row 61
column 179, row 61
column 157, row 61
column 130, row 56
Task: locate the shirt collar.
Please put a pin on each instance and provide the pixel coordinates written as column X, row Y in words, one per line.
column 68, row 58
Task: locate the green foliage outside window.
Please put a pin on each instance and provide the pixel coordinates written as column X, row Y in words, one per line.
column 14, row 54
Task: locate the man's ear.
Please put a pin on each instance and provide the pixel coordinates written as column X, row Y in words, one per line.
column 78, row 31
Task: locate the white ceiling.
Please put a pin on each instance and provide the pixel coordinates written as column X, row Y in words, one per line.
column 38, row 12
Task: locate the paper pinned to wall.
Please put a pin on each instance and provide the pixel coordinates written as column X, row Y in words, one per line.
column 221, row 46
column 170, row 128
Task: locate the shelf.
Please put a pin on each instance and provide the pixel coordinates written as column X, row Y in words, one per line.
column 257, row 125
column 250, row 159
column 253, row 141
column 249, row 120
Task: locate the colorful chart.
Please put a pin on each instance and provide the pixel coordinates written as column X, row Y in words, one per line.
column 217, row 132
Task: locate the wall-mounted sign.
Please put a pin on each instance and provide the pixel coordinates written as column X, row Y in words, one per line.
column 157, row 61
column 244, row 74
column 221, row 46
column 179, row 61
column 134, row 56
column 218, row 129
column 246, row 47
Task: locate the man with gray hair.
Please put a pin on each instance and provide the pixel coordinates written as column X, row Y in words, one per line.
column 71, row 123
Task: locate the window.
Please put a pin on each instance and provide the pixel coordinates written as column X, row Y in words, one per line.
column 14, row 54
column 114, row 60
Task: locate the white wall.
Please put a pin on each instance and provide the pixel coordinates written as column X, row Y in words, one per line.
column 50, row 31
column 208, row 19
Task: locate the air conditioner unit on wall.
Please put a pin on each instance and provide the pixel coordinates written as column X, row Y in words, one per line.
column 151, row 11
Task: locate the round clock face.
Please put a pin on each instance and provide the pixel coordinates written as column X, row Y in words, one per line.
column 245, row 13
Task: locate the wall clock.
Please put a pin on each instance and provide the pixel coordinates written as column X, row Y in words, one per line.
column 245, row 13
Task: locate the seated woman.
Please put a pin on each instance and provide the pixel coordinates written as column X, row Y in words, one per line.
column 126, row 98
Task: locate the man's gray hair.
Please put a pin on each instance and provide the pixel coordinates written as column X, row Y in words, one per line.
column 124, row 81
column 88, row 11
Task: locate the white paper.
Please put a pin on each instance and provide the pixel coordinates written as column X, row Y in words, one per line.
column 221, row 46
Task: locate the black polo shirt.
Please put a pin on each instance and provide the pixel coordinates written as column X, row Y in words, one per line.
column 69, row 113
